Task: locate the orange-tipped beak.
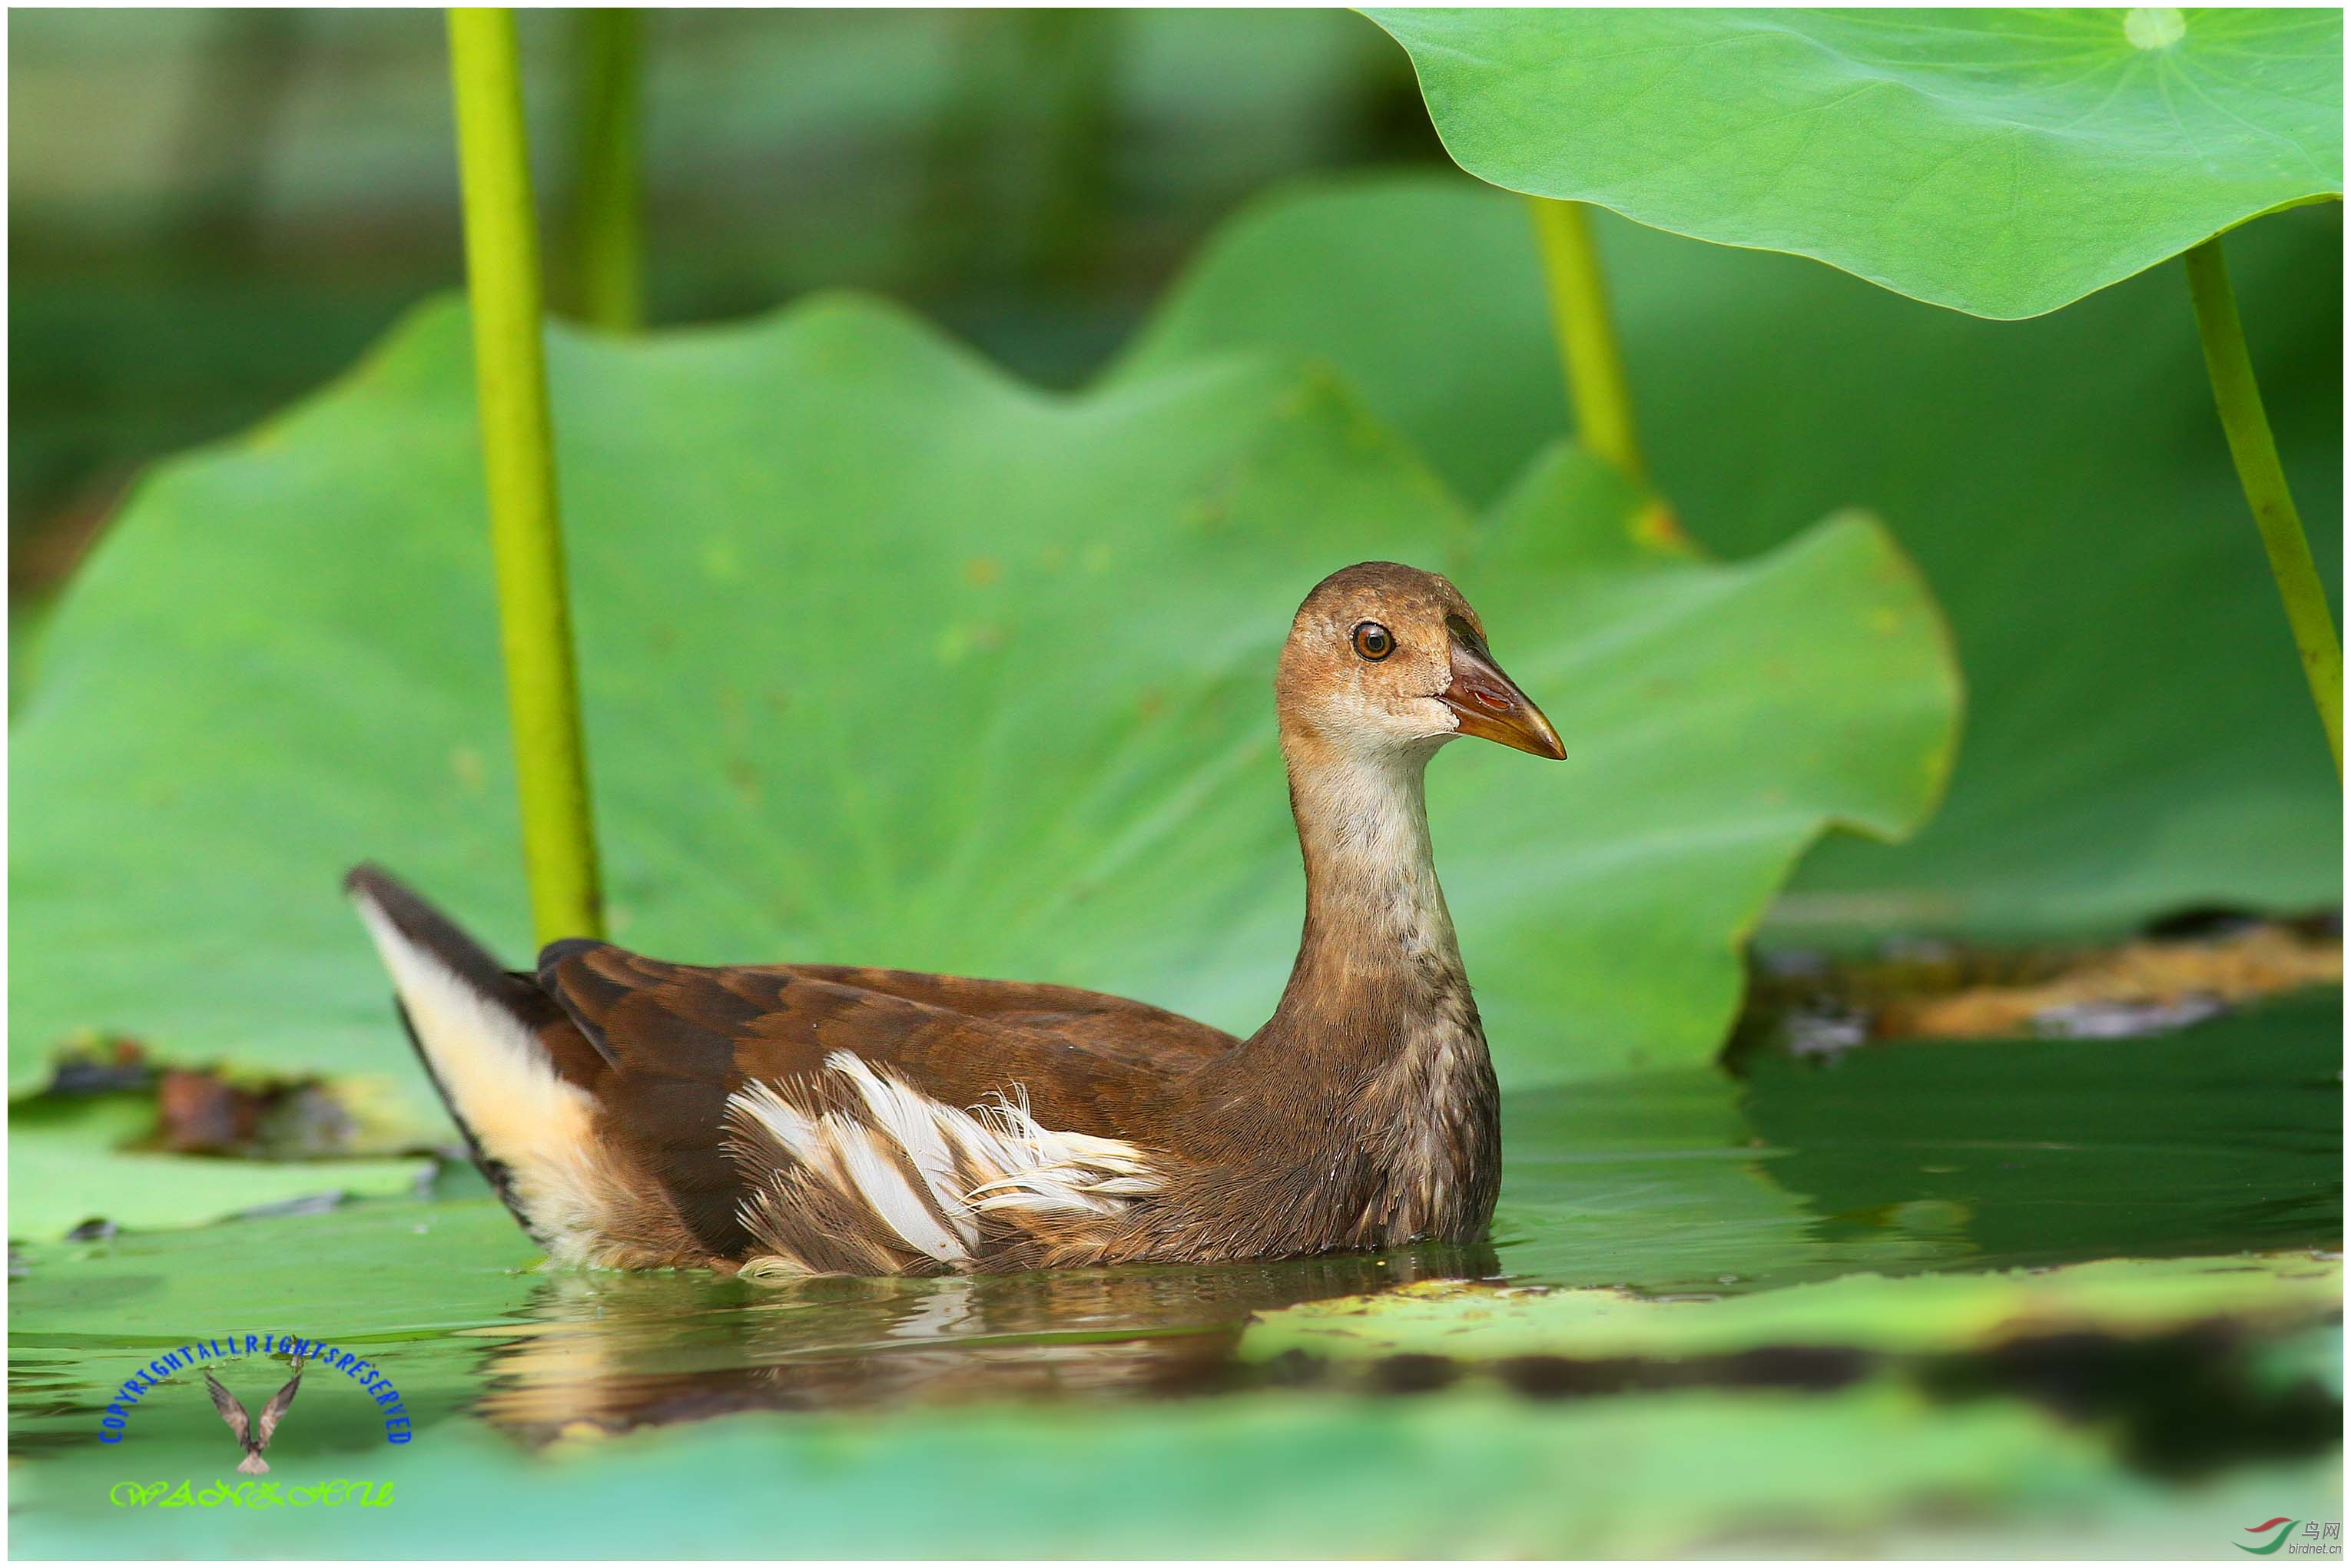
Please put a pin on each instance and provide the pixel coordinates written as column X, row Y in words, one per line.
column 1490, row 703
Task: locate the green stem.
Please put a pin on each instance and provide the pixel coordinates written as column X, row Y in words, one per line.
column 518, row 460
column 609, row 212
column 1587, row 338
column 2258, row 470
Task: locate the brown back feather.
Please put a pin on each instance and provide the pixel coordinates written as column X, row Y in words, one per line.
column 681, row 1039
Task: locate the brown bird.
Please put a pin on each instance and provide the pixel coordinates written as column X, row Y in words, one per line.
column 801, row 1118
column 232, row 1411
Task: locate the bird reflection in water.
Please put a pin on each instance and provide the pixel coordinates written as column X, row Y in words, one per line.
column 607, row 1352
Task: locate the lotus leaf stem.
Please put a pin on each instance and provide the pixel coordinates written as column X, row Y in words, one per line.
column 1587, row 336
column 2259, row 471
column 518, row 461
column 609, row 205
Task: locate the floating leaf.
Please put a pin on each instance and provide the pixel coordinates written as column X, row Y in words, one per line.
column 2004, row 163
column 73, row 1160
column 1918, row 1314
column 890, row 660
column 2138, row 734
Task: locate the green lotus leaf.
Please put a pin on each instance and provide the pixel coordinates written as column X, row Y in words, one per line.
column 889, row 659
column 1267, row 1476
column 2004, row 163
column 388, row 1269
column 2129, row 1297
column 2138, row 734
column 75, row 1160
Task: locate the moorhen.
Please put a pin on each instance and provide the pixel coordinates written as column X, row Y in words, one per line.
column 804, row 1118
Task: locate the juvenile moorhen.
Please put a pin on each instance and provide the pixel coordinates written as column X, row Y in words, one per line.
column 802, row 1118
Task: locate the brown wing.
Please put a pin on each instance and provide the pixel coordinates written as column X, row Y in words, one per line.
column 939, row 1030
column 231, row 1409
column 279, row 1402
column 679, row 1039
column 1134, row 1034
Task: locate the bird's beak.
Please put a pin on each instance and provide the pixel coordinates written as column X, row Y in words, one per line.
column 1489, row 704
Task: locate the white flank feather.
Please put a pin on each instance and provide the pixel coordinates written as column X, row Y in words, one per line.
column 1036, row 1170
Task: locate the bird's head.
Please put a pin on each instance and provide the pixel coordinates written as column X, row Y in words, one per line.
column 1387, row 661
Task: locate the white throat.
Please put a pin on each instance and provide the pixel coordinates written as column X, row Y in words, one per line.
column 1363, row 819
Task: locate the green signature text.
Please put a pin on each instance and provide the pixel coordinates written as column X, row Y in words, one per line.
column 250, row 1494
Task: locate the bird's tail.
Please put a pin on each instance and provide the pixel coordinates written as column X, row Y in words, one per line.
column 254, row 1464
column 476, row 1027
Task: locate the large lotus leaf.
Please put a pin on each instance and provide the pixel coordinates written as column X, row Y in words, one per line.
column 1261, row 1476
column 888, row 659
column 2138, row 732
column 1919, row 1314
column 2002, row 162
column 75, row 1160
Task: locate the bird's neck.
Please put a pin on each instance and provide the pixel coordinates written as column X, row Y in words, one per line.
column 1371, row 1081
column 1378, row 940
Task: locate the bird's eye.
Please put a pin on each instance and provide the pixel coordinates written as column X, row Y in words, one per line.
column 1373, row 642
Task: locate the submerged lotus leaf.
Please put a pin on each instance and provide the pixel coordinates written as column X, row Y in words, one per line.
column 2002, row 162
column 1917, row 1314
column 75, row 1160
column 889, row 659
column 2138, row 732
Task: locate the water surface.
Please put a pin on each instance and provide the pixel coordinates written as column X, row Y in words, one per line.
column 1926, row 1155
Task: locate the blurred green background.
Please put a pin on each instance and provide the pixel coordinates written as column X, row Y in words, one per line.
column 211, row 212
